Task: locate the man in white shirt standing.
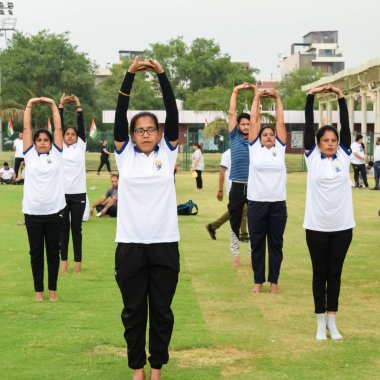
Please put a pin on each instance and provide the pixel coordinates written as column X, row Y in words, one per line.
column 19, row 155
column 358, row 160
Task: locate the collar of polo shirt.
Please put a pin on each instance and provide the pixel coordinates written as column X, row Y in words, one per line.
column 334, row 156
column 39, row 154
column 137, row 150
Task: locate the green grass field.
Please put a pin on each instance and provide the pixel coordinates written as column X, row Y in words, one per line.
column 294, row 162
column 221, row 330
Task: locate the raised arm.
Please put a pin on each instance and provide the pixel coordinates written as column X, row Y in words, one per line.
column 255, row 121
column 280, row 122
column 27, row 131
column 232, row 119
column 120, row 131
column 58, row 135
column 80, row 121
column 345, row 134
column 61, row 107
column 309, row 135
column 171, row 120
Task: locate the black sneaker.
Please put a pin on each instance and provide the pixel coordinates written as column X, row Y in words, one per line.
column 244, row 238
column 211, row 232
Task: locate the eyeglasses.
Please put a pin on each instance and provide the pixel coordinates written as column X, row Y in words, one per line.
column 149, row 131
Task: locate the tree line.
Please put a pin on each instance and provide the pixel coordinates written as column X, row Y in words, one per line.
column 202, row 76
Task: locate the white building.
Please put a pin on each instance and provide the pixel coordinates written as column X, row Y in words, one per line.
column 319, row 50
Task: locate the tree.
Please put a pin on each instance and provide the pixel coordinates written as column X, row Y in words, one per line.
column 145, row 90
column 46, row 64
column 198, row 66
column 290, row 87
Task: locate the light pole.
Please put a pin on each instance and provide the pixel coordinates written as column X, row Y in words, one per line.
column 6, row 24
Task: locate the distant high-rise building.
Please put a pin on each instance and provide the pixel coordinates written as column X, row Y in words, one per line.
column 318, row 50
column 129, row 54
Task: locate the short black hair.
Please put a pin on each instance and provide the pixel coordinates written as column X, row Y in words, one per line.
column 73, row 128
column 6, row 164
column 243, row 115
column 324, row 129
column 265, row 127
column 43, row 131
column 358, row 137
column 143, row 114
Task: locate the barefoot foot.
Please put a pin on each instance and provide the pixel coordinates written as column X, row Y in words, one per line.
column 274, row 288
column 53, row 295
column 77, row 266
column 64, row 266
column 257, row 288
column 39, row 296
column 236, row 261
column 155, row 374
column 138, row 374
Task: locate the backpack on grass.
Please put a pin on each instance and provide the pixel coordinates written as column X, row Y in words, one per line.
column 187, row 208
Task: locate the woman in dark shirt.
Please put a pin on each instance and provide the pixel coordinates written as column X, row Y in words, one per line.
column 104, row 157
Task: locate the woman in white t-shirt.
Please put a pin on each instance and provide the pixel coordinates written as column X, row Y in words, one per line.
column 329, row 216
column 147, row 257
column 266, row 192
column 74, row 169
column 198, row 164
column 44, row 198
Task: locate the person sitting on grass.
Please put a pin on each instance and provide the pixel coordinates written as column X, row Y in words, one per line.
column 20, row 180
column 7, row 174
column 106, row 205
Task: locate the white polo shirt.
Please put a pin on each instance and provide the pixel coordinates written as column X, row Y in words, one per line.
column 147, row 204
column 357, row 148
column 6, row 174
column 267, row 172
column 19, row 145
column 43, row 186
column 225, row 162
column 376, row 155
column 74, row 167
column 328, row 195
column 201, row 162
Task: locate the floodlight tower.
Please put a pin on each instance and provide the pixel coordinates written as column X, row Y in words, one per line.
column 7, row 23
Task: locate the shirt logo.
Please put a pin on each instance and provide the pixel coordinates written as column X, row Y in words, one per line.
column 48, row 160
column 158, row 164
column 336, row 166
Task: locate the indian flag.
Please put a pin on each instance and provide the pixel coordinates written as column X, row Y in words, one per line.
column 49, row 124
column 93, row 131
column 10, row 130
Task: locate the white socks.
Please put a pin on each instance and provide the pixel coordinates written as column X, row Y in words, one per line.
column 321, row 331
column 331, row 326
